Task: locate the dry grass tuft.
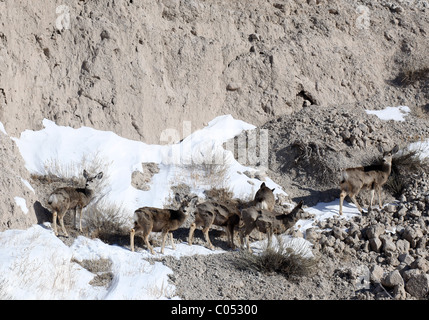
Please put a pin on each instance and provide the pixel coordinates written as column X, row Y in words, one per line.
column 404, row 166
column 290, row 262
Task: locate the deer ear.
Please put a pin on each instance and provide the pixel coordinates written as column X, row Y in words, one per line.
column 99, row 175
column 177, row 198
column 395, row 149
column 273, row 189
column 85, row 174
column 380, row 148
column 262, row 185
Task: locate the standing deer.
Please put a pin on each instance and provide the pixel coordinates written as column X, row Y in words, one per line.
column 63, row 199
column 267, row 222
column 150, row 219
column 372, row 177
column 225, row 214
column 264, row 198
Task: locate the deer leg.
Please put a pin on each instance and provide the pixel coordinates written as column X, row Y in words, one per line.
column 146, row 241
column 230, row 233
column 244, row 234
column 172, row 241
column 74, row 217
column 379, row 198
column 80, row 218
column 132, row 234
column 206, row 236
column 270, row 236
column 191, row 233
column 54, row 221
column 356, row 203
column 372, row 198
column 164, row 237
column 342, row 196
column 62, row 225
column 248, row 244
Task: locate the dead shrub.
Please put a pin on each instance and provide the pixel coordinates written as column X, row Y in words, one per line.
column 107, row 222
column 287, row 261
column 405, row 165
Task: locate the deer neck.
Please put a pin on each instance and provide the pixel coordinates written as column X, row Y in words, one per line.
column 183, row 214
column 387, row 167
column 88, row 192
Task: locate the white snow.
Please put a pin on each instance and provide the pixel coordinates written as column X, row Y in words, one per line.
column 391, row 113
column 22, row 204
column 35, row 264
column 422, row 148
column 2, row 129
column 64, row 150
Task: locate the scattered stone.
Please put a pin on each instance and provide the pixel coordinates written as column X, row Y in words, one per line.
column 374, row 231
column 376, row 273
column 392, row 279
column 418, row 286
column 375, row 244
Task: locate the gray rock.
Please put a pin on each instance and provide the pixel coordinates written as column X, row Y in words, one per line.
column 392, row 279
column 374, row 231
column 406, row 258
column 376, row 273
column 420, row 263
column 375, row 244
column 418, row 286
column 402, row 246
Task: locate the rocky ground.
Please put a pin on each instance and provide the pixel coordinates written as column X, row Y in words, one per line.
column 306, row 71
column 382, row 254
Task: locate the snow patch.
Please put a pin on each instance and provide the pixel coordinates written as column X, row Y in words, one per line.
column 22, row 204
column 2, row 129
column 391, row 113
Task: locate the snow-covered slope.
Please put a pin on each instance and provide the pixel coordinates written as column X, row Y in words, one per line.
column 35, row 264
column 56, row 147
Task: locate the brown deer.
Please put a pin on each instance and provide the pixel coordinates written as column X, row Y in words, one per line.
column 220, row 213
column 264, row 198
column 63, row 199
column 267, row 222
column 353, row 180
column 150, row 219
column 226, row 214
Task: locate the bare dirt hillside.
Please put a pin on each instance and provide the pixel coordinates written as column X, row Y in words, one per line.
column 305, row 70
column 139, row 68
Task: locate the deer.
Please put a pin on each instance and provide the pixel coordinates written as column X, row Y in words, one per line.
column 267, row 222
column 372, row 177
column 264, row 198
column 225, row 214
column 150, row 219
column 65, row 198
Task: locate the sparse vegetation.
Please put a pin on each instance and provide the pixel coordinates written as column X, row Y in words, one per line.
column 107, row 222
column 409, row 76
column 203, row 175
column 405, row 165
column 288, row 261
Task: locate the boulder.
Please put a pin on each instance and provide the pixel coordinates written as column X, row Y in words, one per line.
column 374, row 231
column 418, row 285
column 375, row 244
column 392, row 279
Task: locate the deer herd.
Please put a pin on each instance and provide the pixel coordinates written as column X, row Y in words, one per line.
column 232, row 214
